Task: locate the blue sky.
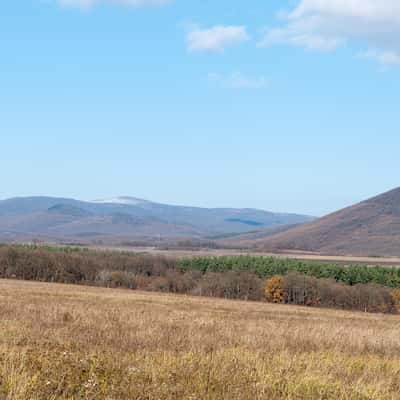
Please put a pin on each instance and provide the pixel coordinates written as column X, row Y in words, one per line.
column 281, row 105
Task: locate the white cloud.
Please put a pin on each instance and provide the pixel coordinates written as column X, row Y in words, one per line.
column 383, row 57
column 308, row 40
column 237, row 80
column 216, row 39
column 325, row 25
column 126, row 3
column 367, row 10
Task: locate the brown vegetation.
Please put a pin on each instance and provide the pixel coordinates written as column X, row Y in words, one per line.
column 124, row 270
column 64, row 342
column 396, row 298
column 308, row 291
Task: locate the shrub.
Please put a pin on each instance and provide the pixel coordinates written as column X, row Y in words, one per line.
column 117, row 279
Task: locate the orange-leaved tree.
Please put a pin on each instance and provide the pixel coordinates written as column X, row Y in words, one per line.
column 274, row 292
column 396, row 298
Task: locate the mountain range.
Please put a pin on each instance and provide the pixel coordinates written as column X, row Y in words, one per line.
column 369, row 228
column 127, row 219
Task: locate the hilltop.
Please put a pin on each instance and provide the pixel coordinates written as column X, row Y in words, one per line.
column 370, row 228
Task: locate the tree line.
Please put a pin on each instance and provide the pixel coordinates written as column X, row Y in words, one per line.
column 123, row 270
column 304, row 290
column 266, row 267
column 245, row 278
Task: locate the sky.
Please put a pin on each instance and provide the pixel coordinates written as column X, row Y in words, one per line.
column 289, row 106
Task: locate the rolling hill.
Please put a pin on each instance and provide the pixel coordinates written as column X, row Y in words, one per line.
column 370, row 228
column 126, row 218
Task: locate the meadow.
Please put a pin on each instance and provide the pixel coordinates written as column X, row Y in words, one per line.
column 77, row 342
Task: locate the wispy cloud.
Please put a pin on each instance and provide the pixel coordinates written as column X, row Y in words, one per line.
column 308, row 40
column 383, row 57
column 238, row 80
column 216, row 39
column 125, row 3
column 325, row 25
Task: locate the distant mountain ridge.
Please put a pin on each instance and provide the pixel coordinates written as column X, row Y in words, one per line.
column 369, row 228
column 127, row 218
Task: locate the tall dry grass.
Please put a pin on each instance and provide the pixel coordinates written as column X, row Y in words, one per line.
column 68, row 342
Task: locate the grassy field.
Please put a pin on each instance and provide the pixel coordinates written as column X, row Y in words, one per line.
column 73, row 342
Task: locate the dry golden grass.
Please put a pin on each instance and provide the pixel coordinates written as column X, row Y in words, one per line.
column 70, row 342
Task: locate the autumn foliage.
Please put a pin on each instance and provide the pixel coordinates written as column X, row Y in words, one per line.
column 308, row 291
column 274, row 292
column 396, row 299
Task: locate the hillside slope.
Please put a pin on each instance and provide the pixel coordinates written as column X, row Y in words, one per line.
column 368, row 228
